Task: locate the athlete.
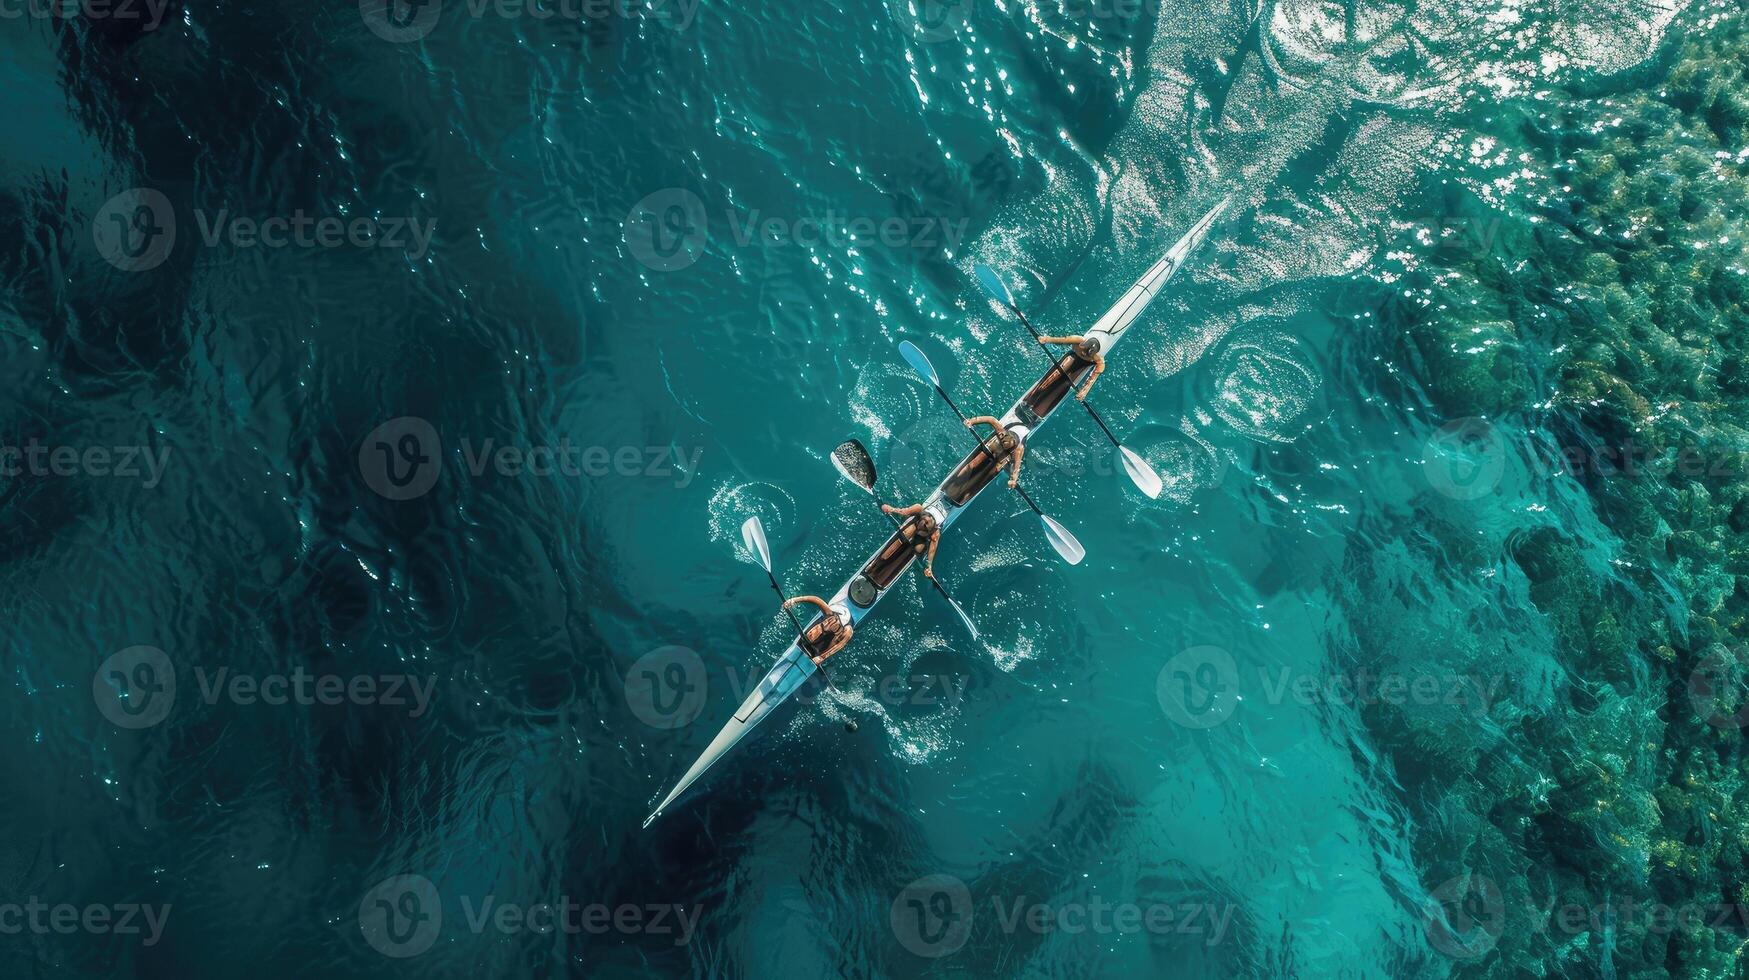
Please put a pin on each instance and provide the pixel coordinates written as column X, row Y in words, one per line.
column 924, row 536
column 1086, row 350
column 1008, row 448
column 835, row 629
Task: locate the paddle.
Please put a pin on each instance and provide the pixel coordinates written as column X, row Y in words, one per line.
column 1140, row 473
column 753, row 536
column 1058, row 535
column 852, row 460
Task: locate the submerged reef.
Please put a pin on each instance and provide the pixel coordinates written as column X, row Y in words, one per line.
column 1584, row 313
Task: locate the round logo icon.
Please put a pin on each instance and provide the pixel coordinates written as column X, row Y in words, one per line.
column 1465, row 459
column 1199, row 688
column 401, row 458
column 667, row 230
column 135, row 230
column 932, row 916
column 930, row 21
column 400, row 21
column 401, row 916
column 666, row 687
column 1464, row 916
column 136, row 687
column 1718, row 691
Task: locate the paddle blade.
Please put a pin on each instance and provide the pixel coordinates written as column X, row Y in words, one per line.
column 852, row 461
column 918, row 362
column 1063, row 541
column 970, row 626
column 993, row 285
column 1141, row 474
column 753, row 536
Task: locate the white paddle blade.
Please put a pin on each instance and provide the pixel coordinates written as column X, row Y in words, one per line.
column 1141, row 474
column 918, row 362
column 970, row 627
column 993, row 285
column 1063, row 541
column 753, row 536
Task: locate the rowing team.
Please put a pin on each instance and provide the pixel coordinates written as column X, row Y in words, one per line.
column 834, row 629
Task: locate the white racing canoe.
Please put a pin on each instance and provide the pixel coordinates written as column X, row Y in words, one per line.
column 886, row 567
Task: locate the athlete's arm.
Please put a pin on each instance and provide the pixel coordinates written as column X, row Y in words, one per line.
column 1098, row 369
column 812, row 600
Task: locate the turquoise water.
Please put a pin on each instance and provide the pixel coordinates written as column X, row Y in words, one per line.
column 435, row 355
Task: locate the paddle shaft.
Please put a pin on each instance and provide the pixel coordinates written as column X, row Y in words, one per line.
column 1058, row 369
column 897, row 526
column 787, row 611
column 984, row 449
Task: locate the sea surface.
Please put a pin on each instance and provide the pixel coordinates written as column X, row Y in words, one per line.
column 383, row 388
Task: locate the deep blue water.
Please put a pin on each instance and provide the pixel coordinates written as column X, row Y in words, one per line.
column 385, row 388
